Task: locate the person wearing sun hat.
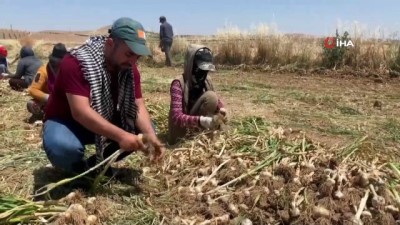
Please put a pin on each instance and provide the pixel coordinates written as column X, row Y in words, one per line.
column 43, row 83
column 97, row 100
column 194, row 102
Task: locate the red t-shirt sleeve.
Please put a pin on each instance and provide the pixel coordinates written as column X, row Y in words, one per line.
column 136, row 80
column 72, row 77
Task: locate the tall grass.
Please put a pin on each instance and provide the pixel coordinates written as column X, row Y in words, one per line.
column 264, row 45
column 394, row 56
column 41, row 48
column 178, row 49
column 234, row 47
column 371, row 51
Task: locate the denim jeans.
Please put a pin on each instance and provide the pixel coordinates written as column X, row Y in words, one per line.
column 64, row 143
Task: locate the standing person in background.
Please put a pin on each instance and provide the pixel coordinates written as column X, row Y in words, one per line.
column 166, row 39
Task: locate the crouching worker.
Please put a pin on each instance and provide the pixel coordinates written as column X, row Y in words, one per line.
column 27, row 68
column 44, row 81
column 93, row 101
column 194, row 103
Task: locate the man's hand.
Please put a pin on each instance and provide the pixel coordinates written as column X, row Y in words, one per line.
column 130, row 142
column 159, row 148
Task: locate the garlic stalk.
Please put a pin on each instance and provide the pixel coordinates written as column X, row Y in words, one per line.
column 377, row 201
column 214, row 173
column 338, row 193
column 294, row 210
column 357, row 218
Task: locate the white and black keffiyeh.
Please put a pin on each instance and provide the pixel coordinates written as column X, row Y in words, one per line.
column 91, row 58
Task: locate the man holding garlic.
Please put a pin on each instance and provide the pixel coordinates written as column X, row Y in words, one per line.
column 97, row 99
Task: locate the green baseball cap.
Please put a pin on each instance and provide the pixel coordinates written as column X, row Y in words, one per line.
column 132, row 32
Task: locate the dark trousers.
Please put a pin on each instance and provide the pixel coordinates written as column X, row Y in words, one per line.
column 18, row 84
column 166, row 47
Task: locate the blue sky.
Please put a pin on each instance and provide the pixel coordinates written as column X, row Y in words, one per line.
column 319, row 17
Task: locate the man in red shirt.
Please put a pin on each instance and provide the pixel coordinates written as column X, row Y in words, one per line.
column 97, row 99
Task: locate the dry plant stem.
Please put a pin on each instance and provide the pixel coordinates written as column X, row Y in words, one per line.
column 296, row 179
column 191, row 151
column 256, row 142
column 162, row 221
column 376, row 200
column 98, row 178
column 255, row 124
column 296, row 196
column 354, row 148
column 363, row 203
column 214, row 173
column 260, row 166
column 303, row 143
column 47, row 188
column 296, row 202
column 222, row 149
column 167, row 165
column 395, row 195
column 395, row 170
